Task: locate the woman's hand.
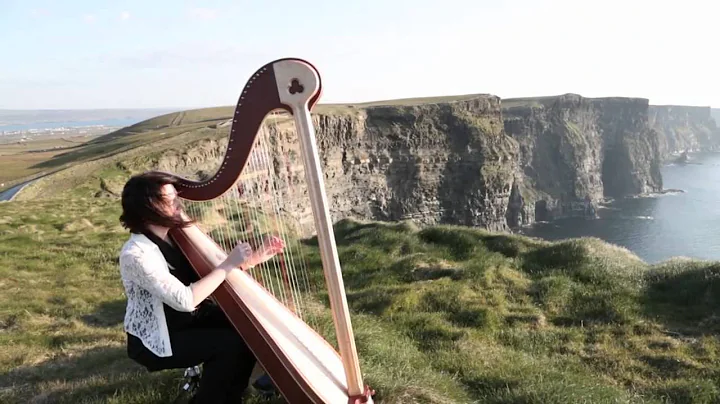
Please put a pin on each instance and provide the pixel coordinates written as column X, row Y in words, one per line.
column 243, row 256
column 268, row 248
column 237, row 256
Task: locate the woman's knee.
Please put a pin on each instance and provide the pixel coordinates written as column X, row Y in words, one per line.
column 229, row 342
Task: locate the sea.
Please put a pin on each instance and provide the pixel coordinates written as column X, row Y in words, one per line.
column 662, row 226
column 117, row 122
column 39, row 120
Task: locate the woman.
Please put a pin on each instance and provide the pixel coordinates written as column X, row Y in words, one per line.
column 169, row 321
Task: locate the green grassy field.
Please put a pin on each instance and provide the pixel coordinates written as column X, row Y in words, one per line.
column 20, row 160
column 441, row 315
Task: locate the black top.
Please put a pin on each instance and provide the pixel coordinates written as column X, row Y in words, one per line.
column 181, row 269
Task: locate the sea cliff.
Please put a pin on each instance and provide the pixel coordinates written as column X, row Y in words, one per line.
column 476, row 161
column 575, row 152
column 684, row 129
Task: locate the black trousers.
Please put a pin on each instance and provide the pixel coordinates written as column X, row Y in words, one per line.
column 211, row 340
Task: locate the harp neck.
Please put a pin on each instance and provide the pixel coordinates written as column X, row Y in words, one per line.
column 263, row 93
column 323, row 221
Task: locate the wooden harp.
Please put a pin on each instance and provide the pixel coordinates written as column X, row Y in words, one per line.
column 303, row 365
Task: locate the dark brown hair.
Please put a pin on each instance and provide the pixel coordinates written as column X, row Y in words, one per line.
column 142, row 201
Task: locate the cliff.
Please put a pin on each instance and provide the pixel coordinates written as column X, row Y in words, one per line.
column 469, row 161
column 445, row 162
column 684, row 129
column 576, row 151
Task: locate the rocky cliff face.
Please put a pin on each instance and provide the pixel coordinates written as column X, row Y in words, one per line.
column 448, row 162
column 456, row 162
column 433, row 163
column 576, row 151
column 684, row 129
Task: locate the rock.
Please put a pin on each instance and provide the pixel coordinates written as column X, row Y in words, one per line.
column 474, row 161
column 682, row 159
column 448, row 162
column 576, row 151
column 684, row 128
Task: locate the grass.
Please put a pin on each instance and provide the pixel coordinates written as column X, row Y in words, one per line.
column 22, row 159
column 441, row 314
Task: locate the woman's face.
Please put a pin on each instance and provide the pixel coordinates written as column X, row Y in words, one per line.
column 170, row 205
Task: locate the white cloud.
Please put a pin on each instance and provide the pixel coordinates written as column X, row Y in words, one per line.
column 202, row 13
column 125, row 15
column 89, row 18
column 37, row 12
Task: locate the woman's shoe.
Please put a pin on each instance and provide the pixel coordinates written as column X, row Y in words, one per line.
column 264, row 386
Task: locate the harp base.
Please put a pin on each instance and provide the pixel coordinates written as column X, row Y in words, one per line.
column 364, row 398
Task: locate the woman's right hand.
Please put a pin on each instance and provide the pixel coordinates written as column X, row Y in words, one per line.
column 269, row 247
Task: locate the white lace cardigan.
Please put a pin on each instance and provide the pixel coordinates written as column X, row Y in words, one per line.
column 148, row 284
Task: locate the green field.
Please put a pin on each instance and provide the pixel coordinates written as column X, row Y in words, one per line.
column 21, row 160
column 441, row 314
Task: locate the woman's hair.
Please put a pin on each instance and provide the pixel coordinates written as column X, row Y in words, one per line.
column 142, row 203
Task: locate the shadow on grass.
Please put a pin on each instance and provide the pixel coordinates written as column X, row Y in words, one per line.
column 511, row 246
column 369, row 301
column 107, row 314
column 491, row 386
column 96, row 375
column 99, row 375
column 347, row 232
column 85, row 153
column 685, row 296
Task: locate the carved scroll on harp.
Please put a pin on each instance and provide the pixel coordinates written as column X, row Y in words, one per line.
column 302, row 364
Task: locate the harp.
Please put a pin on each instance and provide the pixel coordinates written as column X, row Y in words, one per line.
column 263, row 303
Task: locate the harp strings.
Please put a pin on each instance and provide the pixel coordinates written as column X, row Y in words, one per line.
column 293, row 263
column 288, row 266
column 271, row 270
column 255, row 208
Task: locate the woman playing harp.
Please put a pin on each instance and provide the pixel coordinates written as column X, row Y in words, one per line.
column 169, row 321
column 304, row 367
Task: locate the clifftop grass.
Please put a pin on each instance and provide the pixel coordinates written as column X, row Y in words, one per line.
column 441, row 315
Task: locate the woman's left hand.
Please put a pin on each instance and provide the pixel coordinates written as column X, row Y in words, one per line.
column 268, row 248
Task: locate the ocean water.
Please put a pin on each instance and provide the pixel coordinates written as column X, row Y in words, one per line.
column 118, row 122
column 659, row 227
column 24, row 120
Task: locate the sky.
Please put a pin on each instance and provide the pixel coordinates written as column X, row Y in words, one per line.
column 78, row 54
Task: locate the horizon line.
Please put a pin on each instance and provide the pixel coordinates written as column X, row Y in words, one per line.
column 360, row 102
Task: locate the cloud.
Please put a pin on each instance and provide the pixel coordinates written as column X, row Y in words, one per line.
column 125, row 15
column 203, row 14
column 39, row 12
column 89, row 18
